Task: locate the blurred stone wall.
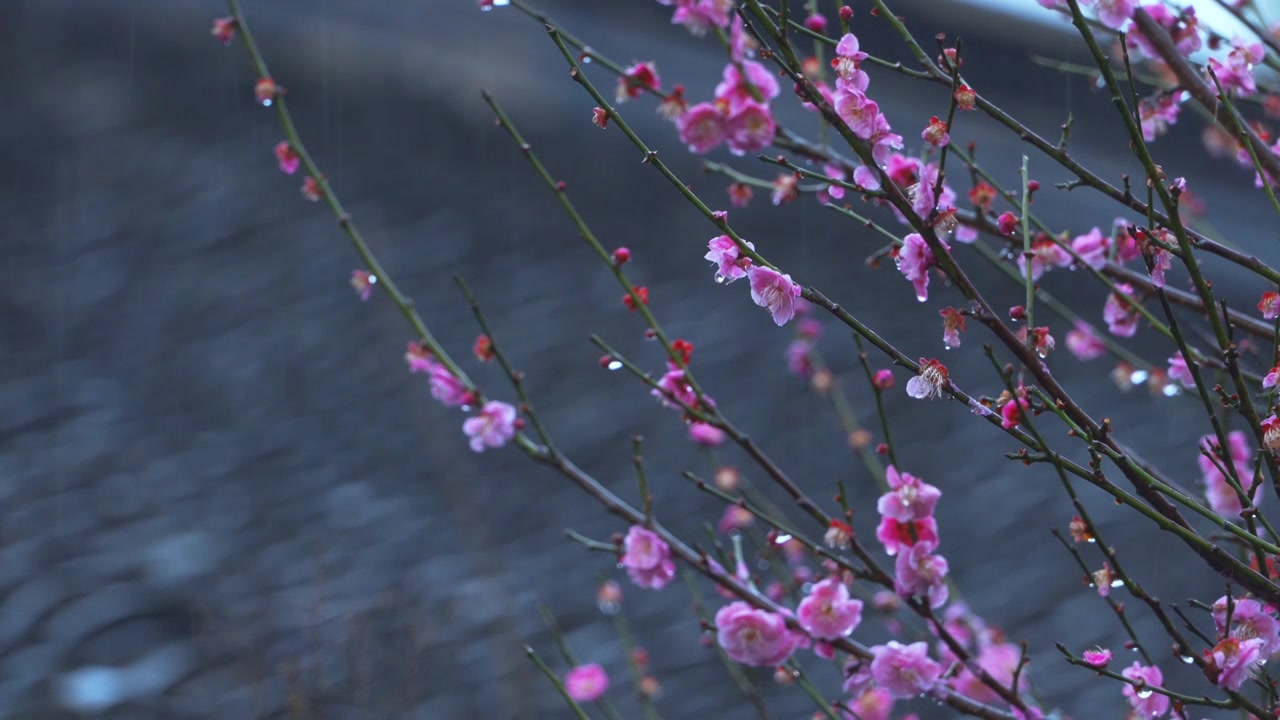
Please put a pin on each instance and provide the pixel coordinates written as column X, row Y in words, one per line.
column 221, row 495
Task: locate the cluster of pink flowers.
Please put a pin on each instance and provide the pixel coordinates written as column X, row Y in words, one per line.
column 909, row 532
column 994, row 655
column 1236, row 74
column 739, row 115
column 647, row 558
column 699, row 16
column 769, row 288
column 1252, row 638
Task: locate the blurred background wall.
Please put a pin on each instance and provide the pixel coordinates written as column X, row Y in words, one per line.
column 222, row 496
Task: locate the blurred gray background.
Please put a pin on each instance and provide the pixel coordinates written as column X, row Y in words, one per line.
column 222, row 496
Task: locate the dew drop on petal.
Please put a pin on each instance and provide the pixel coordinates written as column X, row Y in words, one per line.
column 615, row 365
column 719, row 279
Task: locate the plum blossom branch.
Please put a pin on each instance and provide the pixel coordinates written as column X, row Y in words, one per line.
column 1155, row 182
column 1202, row 92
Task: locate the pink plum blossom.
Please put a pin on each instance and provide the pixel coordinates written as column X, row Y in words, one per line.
column 287, row 157
column 774, row 290
column 636, row 79
column 701, row 433
column 800, row 358
column 702, row 128
column 362, row 281
column 1098, row 657
column 1119, row 314
column 1044, row 255
column 1269, row 305
column 1146, row 704
column 448, row 389
column 909, row 498
column 735, row 91
column 754, row 637
column 1092, row 248
column 1115, row 13
column 699, row 16
column 998, row 660
column 905, row 671
column 1011, row 412
column 1249, row 619
column 859, row 112
column 898, row 536
column 1183, row 28
column 914, row 260
column 586, row 683
column 492, row 427
column 828, row 612
column 730, row 263
column 750, row 128
column 1234, row 661
column 418, row 358
column 921, row 574
column 1161, row 262
column 1178, row 370
column 674, row 388
column 1157, row 114
column 647, row 558
column 1084, row 343
column 872, row 704
column 931, row 381
column 847, row 64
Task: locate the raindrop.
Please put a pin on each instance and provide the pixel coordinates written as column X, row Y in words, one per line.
column 782, row 539
column 1171, row 390
column 1145, row 693
column 266, row 102
column 1093, row 540
column 1092, row 585
column 586, row 59
column 720, row 279
column 946, row 347
column 373, row 279
column 1186, row 659
column 1139, row 376
column 500, row 3
column 486, row 7
column 762, row 565
column 615, row 365
column 1117, row 583
column 608, row 608
column 467, row 408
